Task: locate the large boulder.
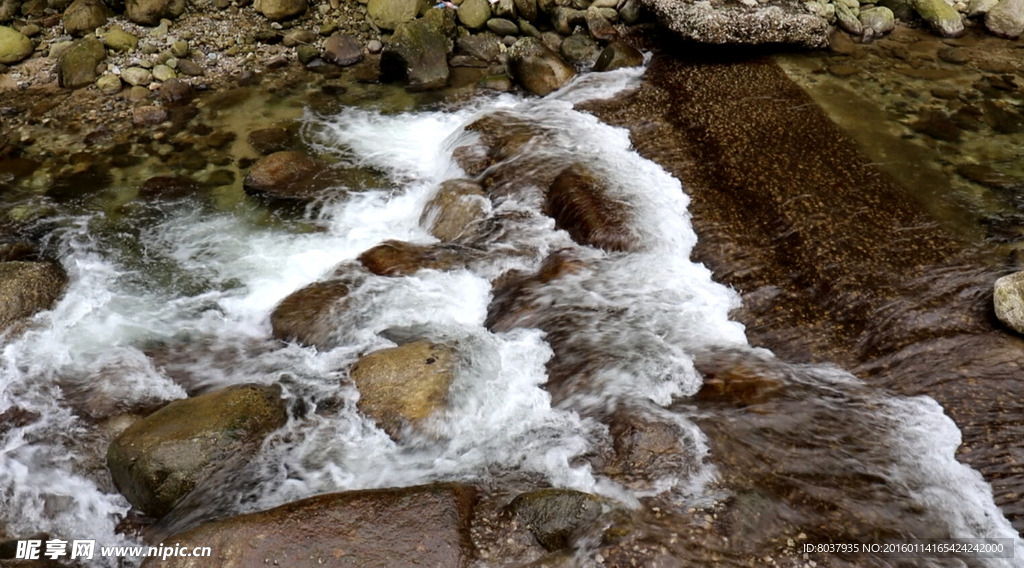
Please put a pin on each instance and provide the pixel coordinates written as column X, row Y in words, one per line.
column 14, row 46
column 1009, row 301
column 942, row 18
column 455, row 210
column 150, row 12
column 556, row 517
column 579, row 202
column 1006, row 19
column 381, row 528
column 279, row 10
column 286, row 175
column 160, row 459
column 27, row 288
column 536, row 67
column 731, row 22
column 417, row 53
column 400, row 258
column 304, row 316
column 402, row 386
column 389, row 14
column 83, row 17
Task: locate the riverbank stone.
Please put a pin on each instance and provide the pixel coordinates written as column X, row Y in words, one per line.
column 286, row 175
column 556, row 517
column 150, row 12
column 161, row 458
column 120, row 40
column 84, row 16
column 1006, row 19
column 617, row 55
column 389, row 14
column 579, row 49
column 537, row 68
column 402, row 386
column 280, row 10
column 14, row 46
column 1008, row 296
column 474, row 13
column 417, row 54
column 27, row 288
column 720, row 22
column 942, row 18
column 880, row 20
column 455, row 210
column 342, row 50
column 393, row 528
column 76, row 67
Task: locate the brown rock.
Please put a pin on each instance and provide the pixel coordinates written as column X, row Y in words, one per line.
column 455, row 210
column 84, row 16
column 270, row 140
column 27, row 288
column 536, row 67
column 399, row 258
column 286, row 175
column 383, row 528
column 580, row 205
column 158, row 460
column 168, row 187
column 404, row 385
column 175, row 90
column 617, row 55
column 304, row 315
column 343, row 50
column 148, row 115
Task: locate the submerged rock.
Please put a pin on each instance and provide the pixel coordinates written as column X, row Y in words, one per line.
column 942, row 18
column 399, row 258
column 304, row 316
column 380, row 528
column 158, row 460
column 556, row 517
column 536, row 67
column 418, row 54
column 404, row 385
column 726, row 22
column 14, row 46
column 1009, row 301
column 286, row 175
column 455, row 210
column 27, row 288
column 580, row 205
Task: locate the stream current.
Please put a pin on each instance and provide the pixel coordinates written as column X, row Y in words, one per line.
column 170, row 298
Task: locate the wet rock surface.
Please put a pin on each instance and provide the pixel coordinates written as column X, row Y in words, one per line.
column 455, row 210
column 27, row 288
column 160, row 459
column 556, row 517
column 383, row 528
column 739, row 23
column 399, row 258
column 581, row 206
column 287, row 175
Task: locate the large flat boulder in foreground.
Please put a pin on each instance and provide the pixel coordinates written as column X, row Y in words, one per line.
column 384, row 528
column 731, row 22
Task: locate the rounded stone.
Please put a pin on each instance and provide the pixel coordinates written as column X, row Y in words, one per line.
column 474, row 13
column 1008, row 297
column 14, row 45
column 137, row 76
column 109, row 84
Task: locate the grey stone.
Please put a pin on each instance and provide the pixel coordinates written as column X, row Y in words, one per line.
column 942, row 18
column 485, row 46
column 579, row 49
column 417, row 54
column 526, row 9
column 502, row 27
column 721, row 23
column 848, row 20
column 28, row 288
column 1006, row 19
column 880, row 20
column 978, row 8
column 343, row 50
column 1008, row 296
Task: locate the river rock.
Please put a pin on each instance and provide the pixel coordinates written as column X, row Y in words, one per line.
column 280, row 10
column 120, row 40
column 579, row 203
column 163, row 72
column 77, row 65
column 580, row 49
column 137, row 76
column 175, row 91
column 109, row 84
column 418, row 54
column 148, row 115
column 474, row 13
column 286, row 175
column 150, row 12
column 402, row 386
column 389, row 14
column 942, row 18
column 1009, row 301
column 455, row 210
column 617, row 55
column 27, row 288
column 270, row 140
column 526, row 9
column 502, row 27
column 1006, row 19
column 304, row 316
column 190, row 68
column 515, row 302
column 978, row 8
column 556, row 517
column 14, row 46
column 343, row 50
column 159, row 459
column 84, row 16
column 392, row 528
column 599, row 26
column 484, row 46
column 168, row 187
column 725, row 22
column 536, row 67
column 399, row 258
column 880, row 20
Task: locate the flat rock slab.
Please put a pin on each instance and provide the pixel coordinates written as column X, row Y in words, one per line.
column 386, row 528
column 727, row 22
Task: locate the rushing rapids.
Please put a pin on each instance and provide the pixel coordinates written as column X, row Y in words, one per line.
column 173, row 297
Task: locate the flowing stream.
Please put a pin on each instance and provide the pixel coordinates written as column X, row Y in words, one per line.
column 171, row 297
